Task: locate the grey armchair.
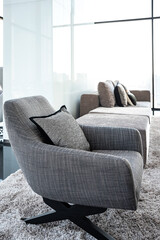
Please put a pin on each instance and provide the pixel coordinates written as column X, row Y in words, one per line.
column 108, row 176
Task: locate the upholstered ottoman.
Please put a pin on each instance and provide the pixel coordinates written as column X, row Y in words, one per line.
column 141, row 123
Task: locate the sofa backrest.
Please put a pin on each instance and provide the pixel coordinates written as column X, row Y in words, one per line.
column 90, row 101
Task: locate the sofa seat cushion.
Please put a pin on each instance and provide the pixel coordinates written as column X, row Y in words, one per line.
column 143, row 104
column 130, row 110
column 135, row 161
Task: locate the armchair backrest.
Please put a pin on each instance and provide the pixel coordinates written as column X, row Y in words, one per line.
column 17, row 113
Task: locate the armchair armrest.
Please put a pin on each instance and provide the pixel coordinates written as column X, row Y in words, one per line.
column 81, row 177
column 110, row 138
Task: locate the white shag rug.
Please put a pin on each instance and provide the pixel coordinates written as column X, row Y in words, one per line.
column 18, row 200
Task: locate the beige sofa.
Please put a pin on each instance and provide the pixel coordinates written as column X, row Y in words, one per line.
column 139, row 116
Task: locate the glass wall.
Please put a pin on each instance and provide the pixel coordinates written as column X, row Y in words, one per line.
column 98, row 40
column 61, row 12
column 104, row 10
column 62, row 67
column 114, row 51
column 157, row 62
column 61, row 48
column 156, row 8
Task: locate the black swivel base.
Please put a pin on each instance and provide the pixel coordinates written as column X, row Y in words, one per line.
column 75, row 213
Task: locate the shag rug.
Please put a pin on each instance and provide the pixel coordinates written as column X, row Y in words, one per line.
column 18, row 200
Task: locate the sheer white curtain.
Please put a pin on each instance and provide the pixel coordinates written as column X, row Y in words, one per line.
column 1, row 34
column 28, row 49
column 1, row 62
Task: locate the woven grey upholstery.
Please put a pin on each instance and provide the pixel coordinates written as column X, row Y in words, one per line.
column 76, row 176
column 62, row 129
column 113, row 138
column 120, row 121
column 134, row 162
column 90, row 101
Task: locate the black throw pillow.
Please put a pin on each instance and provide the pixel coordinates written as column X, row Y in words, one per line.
column 132, row 98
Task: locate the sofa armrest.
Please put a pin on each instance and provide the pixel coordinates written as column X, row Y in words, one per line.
column 113, row 138
column 142, row 95
column 88, row 102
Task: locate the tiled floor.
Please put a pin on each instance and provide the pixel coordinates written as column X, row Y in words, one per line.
column 8, row 162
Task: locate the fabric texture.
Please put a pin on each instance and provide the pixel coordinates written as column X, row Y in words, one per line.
column 88, row 102
column 72, row 175
column 129, row 102
column 139, row 110
column 133, row 159
column 106, row 94
column 113, row 138
column 62, row 129
column 142, row 95
column 117, row 121
column 91, row 101
column 143, row 104
column 18, row 200
column 132, row 98
column 120, row 95
column 115, row 82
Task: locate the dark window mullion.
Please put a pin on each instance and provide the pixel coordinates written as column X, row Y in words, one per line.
column 127, row 20
column 153, row 97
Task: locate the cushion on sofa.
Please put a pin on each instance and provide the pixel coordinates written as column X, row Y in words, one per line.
column 62, row 129
column 120, row 95
column 106, row 94
column 115, row 82
column 131, row 98
column 129, row 102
